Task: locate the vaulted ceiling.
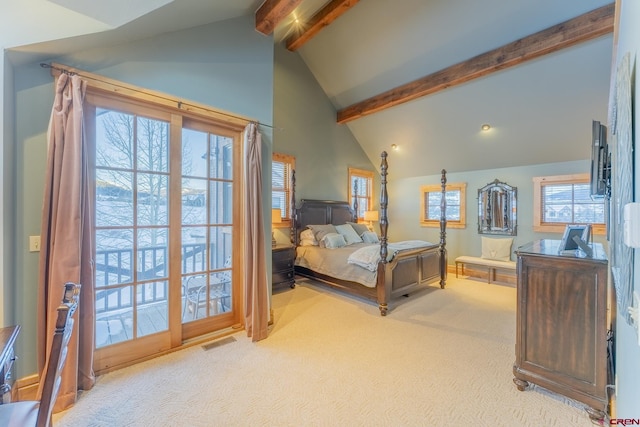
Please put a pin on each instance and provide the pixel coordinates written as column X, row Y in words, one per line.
column 421, row 74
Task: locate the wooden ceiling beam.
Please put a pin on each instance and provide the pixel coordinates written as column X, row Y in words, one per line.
column 585, row 27
column 269, row 15
column 325, row 16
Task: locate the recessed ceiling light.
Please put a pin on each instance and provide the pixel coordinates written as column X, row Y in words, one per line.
column 485, row 127
column 394, row 146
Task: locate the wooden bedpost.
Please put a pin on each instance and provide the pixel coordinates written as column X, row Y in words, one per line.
column 355, row 201
column 443, row 230
column 293, row 232
column 384, row 224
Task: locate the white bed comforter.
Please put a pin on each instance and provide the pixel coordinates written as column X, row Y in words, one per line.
column 369, row 256
column 334, row 262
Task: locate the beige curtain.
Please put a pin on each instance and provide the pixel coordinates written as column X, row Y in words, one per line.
column 66, row 239
column 256, row 303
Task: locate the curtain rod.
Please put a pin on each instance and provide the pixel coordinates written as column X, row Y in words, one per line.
column 179, row 103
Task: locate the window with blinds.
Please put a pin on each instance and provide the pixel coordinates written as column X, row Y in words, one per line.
column 566, row 199
column 361, row 188
column 431, row 195
column 281, row 167
column 571, row 204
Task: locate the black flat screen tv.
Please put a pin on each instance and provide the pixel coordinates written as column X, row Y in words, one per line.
column 600, row 160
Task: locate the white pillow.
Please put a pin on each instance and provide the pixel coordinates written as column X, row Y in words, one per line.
column 498, row 249
column 307, row 234
column 350, row 235
column 359, row 228
column 308, row 242
column 333, row 241
column 370, row 237
column 320, row 230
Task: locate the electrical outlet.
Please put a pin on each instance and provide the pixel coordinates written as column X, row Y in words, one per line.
column 34, row 243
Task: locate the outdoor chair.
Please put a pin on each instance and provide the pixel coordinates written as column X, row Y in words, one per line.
column 195, row 293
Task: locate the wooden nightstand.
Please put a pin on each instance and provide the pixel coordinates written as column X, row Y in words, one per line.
column 282, row 258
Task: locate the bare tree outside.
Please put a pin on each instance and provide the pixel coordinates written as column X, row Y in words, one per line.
column 133, row 171
column 117, row 156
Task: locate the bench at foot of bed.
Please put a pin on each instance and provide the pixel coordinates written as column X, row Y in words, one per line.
column 491, row 264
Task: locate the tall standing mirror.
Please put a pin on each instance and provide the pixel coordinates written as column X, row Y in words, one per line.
column 497, row 203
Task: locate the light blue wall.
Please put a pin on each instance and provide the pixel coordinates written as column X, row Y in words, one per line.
column 404, row 205
column 7, row 195
column 627, row 345
column 227, row 65
column 307, row 129
column 33, row 101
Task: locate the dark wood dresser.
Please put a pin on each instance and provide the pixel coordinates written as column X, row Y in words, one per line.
column 562, row 323
column 8, row 338
column 282, row 274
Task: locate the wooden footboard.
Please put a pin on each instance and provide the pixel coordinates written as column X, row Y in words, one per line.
column 402, row 275
column 406, row 272
column 410, row 269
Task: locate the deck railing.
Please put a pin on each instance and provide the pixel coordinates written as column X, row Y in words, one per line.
column 114, row 266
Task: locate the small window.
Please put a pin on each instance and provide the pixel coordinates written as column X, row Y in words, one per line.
column 566, row 199
column 281, row 168
column 430, row 197
column 361, row 188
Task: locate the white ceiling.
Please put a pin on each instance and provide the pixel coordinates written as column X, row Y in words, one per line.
column 114, row 12
column 540, row 111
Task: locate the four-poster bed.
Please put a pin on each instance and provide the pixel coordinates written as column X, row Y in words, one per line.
column 396, row 270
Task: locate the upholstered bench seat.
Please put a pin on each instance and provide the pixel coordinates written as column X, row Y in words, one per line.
column 491, row 264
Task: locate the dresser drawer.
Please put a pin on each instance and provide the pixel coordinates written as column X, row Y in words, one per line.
column 283, row 277
column 283, row 259
column 282, row 266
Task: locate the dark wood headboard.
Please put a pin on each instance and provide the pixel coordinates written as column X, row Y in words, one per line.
column 321, row 212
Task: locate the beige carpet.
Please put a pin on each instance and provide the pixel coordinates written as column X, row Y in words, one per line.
column 441, row 358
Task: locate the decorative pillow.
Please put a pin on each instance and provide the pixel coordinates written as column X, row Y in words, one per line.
column 498, row 249
column 308, row 242
column 308, row 235
column 370, row 237
column 319, row 231
column 359, row 228
column 333, row 241
column 350, row 235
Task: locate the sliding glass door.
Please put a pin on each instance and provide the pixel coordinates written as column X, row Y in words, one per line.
column 165, row 228
column 207, row 227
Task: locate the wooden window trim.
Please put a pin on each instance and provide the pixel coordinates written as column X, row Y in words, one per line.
column 541, row 181
column 437, row 188
column 105, row 93
column 291, row 161
column 361, row 173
